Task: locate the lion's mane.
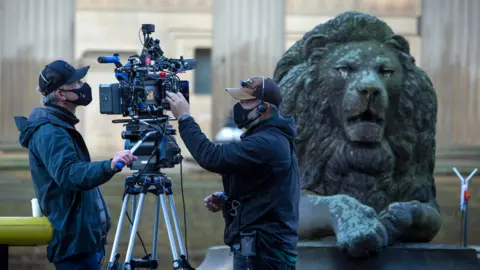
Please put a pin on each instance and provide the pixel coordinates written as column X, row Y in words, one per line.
column 409, row 131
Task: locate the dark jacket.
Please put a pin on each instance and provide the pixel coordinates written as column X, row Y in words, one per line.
column 260, row 171
column 66, row 182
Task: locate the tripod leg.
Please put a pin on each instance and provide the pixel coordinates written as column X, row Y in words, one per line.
column 119, row 229
column 131, row 242
column 134, row 205
column 155, row 228
column 173, row 246
column 177, row 226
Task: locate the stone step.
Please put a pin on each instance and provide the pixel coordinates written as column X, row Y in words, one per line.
column 326, row 256
column 19, row 161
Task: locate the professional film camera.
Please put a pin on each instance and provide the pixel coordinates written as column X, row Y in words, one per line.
column 140, row 94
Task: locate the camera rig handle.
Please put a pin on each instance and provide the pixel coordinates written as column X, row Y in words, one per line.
column 110, row 60
column 119, row 165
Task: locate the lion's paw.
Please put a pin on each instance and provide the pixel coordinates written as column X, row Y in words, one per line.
column 359, row 231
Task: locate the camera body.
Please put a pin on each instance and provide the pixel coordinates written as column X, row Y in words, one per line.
column 140, row 94
column 144, row 80
column 117, row 98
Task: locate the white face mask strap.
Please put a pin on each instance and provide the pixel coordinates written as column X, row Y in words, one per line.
column 43, row 78
column 47, row 85
column 263, row 88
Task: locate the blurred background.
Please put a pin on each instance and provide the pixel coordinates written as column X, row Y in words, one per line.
column 231, row 40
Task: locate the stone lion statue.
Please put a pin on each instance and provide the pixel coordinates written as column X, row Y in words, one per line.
column 366, row 117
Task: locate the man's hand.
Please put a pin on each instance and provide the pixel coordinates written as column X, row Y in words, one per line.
column 124, row 156
column 213, row 202
column 178, row 104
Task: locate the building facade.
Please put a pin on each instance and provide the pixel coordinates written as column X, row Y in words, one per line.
column 230, row 39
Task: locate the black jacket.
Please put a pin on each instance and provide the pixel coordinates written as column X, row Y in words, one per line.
column 260, row 171
column 66, row 182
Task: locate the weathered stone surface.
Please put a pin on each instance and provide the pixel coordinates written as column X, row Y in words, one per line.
column 326, row 256
column 366, row 117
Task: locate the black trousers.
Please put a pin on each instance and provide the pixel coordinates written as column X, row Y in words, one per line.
column 262, row 261
column 84, row 261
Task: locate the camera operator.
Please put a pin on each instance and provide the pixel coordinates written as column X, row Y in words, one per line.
column 260, row 175
column 65, row 180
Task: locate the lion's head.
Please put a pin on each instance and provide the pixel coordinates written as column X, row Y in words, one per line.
column 365, row 112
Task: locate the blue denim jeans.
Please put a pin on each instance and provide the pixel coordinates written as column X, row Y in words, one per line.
column 83, row 261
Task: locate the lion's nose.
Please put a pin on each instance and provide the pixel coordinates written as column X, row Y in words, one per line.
column 369, row 91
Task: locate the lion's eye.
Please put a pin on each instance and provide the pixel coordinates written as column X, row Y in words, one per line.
column 343, row 71
column 386, row 72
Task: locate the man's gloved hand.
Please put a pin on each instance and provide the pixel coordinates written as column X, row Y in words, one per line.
column 213, row 202
column 178, row 104
column 124, row 156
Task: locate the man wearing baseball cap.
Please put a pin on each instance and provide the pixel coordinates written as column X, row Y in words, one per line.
column 260, row 175
column 65, row 180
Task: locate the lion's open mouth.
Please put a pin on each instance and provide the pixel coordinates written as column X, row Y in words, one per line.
column 367, row 116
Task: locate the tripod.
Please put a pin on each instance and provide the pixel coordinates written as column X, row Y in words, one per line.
column 159, row 184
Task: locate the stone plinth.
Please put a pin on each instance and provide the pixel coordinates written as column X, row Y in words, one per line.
column 326, row 256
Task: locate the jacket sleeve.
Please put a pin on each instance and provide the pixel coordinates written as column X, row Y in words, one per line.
column 229, row 158
column 55, row 148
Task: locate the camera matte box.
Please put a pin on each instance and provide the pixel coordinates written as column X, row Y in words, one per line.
column 110, row 99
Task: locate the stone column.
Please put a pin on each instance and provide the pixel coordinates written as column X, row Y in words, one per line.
column 248, row 40
column 450, row 55
column 450, row 44
column 32, row 34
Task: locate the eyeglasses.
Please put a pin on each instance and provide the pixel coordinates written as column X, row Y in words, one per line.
column 246, row 84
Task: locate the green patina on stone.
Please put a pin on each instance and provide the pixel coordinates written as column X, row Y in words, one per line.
column 366, row 117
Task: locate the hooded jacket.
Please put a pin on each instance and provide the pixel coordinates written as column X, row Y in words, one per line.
column 261, row 172
column 66, row 182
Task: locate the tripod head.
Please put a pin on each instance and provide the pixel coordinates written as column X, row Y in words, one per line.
column 152, row 141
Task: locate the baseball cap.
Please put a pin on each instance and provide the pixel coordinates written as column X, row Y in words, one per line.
column 63, row 73
column 252, row 89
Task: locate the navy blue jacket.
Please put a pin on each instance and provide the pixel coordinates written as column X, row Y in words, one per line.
column 260, row 171
column 66, row 182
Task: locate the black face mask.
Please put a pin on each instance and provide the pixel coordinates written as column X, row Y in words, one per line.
column 240, row 116
column 84, row 94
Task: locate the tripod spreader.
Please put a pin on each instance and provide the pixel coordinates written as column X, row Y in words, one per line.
column 157, row 183
column 182, row 263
